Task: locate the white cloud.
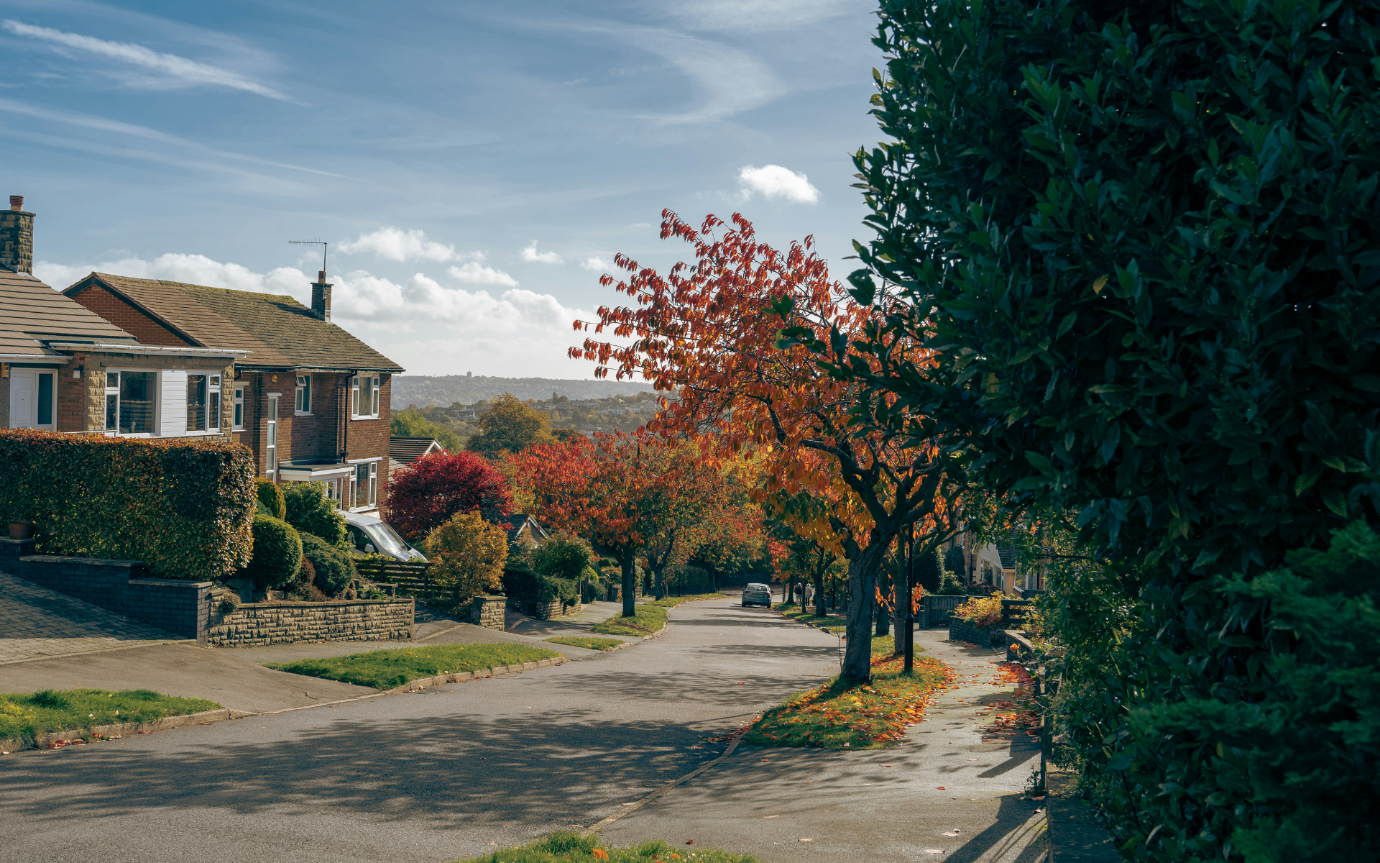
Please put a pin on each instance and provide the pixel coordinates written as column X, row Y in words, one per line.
column 774, row 181
column 428, row 327
column 394, row 244
column 475, row 273
column 180, row 69
column 532, row 256
column 597, row 264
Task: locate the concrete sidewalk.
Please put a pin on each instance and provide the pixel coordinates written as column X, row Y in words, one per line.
column 570, row 624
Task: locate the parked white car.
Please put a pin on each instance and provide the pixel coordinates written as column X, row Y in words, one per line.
column 372, row 535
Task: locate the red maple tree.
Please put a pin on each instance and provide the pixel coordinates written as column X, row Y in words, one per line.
column 737, row 335
column 425, row 494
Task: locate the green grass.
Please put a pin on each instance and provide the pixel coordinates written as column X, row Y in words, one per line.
column 585, row 642
column 387, row 669
column 867, row 716
column 828, row 623
column 577, row 848
column 646, row 620
column 76, row 709
column 673, row 601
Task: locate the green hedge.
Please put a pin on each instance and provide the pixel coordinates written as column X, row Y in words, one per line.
column 270, row 497
column 334, row 568
column 277, row 553
column 310, row 511
column 529, row 587
column 183, row 507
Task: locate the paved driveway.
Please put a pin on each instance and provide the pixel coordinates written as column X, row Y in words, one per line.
column 36, row 623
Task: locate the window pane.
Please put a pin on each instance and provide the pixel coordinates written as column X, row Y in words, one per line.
column 373, row 484
column 213, row 410
column 374, row 403
column 112, row 410
column 45, row 399
column 112, row 380
column 366, row 394
column 137, row 392
column 196, row 403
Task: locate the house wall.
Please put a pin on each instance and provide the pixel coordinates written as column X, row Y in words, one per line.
column 369, row 438
column 128, row 318
column 81, row 401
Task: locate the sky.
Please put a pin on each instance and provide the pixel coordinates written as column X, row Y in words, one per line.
column 474, row 166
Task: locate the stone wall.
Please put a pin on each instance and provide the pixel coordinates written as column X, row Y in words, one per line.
column 489, row 612
column 962, row 630
column 260, row 623
column 555, row 608
column 179, row 607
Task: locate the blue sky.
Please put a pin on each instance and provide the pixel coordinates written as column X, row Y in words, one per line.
column 474, row 165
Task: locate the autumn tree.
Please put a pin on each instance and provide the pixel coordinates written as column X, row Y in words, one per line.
column 411, row 423
column 509, row 426
column 467, row 555
column 616, row 490
column 426, row 493
column 735, row 335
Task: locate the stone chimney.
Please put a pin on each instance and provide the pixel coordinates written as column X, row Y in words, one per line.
column 321, row 297
column 17, row 237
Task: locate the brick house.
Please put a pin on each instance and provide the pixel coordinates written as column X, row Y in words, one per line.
column 65, row 368
column 308, row 399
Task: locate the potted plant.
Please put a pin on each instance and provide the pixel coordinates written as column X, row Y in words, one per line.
column 22, row 529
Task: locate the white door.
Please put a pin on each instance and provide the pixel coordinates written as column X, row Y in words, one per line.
column 32, row 399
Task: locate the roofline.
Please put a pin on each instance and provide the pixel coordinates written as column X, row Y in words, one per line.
column 146, row 349
column 34, row 357
column 84, row 283
column 283, row 368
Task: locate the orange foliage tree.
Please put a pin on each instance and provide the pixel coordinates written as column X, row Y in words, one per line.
column 737, row 335
column 620, row 491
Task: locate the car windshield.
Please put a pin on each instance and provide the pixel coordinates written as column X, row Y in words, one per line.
column 386, row 538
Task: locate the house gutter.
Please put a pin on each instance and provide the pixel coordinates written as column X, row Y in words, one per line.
column 148, row 349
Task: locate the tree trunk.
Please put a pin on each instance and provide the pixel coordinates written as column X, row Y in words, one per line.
column 862, row 570
column 883, row 620
column 819, row 594
column 629, row 584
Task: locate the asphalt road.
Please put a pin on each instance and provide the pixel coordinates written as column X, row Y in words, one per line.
column 422, row 777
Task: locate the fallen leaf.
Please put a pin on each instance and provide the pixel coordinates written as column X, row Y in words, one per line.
column 941, row 788
column 807, row 840
column 599, row 853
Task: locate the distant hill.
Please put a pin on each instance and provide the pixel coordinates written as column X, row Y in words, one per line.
column 446, row 390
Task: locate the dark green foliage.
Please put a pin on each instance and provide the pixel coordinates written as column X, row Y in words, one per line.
column 277, row 553
column 954, row 560
column 334, row 568
column 1145, row 239
column 183, row 507
column 270, row 497
column 929, row 570
column 310, row 511
column 563, row 555
column 529, row 587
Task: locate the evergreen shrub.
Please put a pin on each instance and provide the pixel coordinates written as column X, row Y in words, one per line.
column 311, row 511
column 277, row 553
column 183, row 507
column 270, row 496
column 333, row 567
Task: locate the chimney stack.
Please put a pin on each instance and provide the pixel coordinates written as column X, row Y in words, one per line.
column 321, row 297
column 17, row 237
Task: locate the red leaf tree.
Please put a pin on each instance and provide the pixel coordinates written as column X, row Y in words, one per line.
column 712, row 332
column 425, row 494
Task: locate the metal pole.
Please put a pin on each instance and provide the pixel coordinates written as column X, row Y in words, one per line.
column 910, row 606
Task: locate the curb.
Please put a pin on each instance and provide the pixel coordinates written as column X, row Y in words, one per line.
column 465, row 676
column 630, row 808
column 120, row 729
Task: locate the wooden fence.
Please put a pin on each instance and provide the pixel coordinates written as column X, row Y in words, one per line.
column 936, row 608
column 409, row 579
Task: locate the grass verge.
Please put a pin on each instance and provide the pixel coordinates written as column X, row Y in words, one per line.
column 576, row 848
column 866, row 716
column 387, row 669
column 587, row 643
column 24, row 716
column 828, row 623
column 646, row 620
column 673, row 601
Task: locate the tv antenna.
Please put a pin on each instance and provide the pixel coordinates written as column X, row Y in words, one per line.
column 322, row 243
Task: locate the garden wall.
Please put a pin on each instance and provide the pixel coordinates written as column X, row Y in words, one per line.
column 258, row 623
column 178, row 607
column 489, row 612
column 962, row 630
column 555, row 608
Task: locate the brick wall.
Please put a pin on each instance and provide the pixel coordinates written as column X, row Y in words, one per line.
column 337, row 620
column 178, row 607
column 369, row 438
column 128, row 318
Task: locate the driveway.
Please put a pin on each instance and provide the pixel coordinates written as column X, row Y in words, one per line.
column 36, row 623
column 465, row 768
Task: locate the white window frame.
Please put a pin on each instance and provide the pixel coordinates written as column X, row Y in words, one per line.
column 371, row 486
column 237, row 418
column 214, row 394
column 157, row 402
column 374, row 404
column 271, row 438
column 301, row 398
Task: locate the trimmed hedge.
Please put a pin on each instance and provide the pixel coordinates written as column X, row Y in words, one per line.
column 529, row 587
column 271, row 497
column 183, row 507
column 277, row 553
column 334, row 568
column 310, row 511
